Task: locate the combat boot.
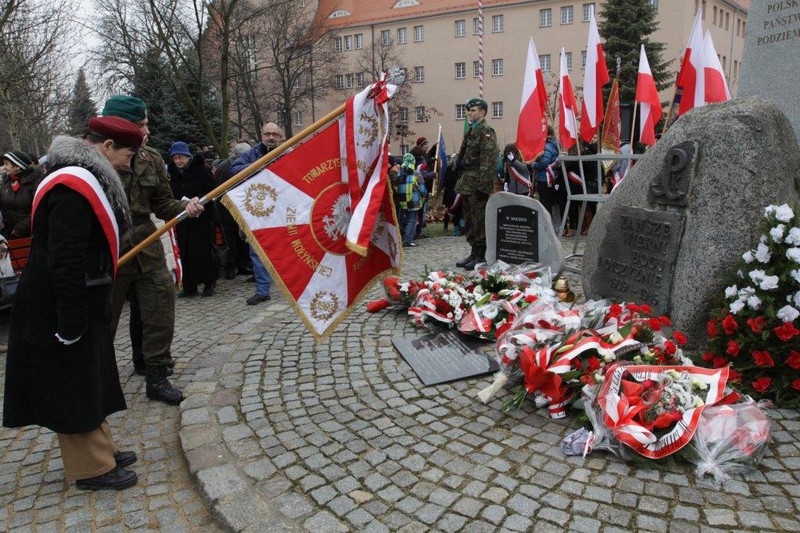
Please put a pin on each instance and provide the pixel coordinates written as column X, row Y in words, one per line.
column 159, row 387
column 468, row 259
column 480, row 257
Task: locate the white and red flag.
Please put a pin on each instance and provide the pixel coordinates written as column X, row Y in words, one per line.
column 649, row 103
column 691, row 77
column 716, row 86
column 298, row 212
column 567, row 123
column 594, row 78
column 532, row 123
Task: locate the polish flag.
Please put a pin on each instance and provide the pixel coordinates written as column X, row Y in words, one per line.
column 691, row 78
column 532, row 123
column 716, row 87
column 567, row 123
column 595, row 77
column 649, row 103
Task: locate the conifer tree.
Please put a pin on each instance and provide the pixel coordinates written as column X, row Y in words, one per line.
column 625, row 25
column 81, row 106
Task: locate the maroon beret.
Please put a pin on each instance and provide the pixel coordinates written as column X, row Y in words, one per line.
column 118, row 129
column 421, row 140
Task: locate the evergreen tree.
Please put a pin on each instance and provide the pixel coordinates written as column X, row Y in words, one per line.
column 81, row 106
column 626, row 25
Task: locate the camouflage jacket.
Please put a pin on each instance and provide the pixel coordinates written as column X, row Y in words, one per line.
column 480, row 160
column 148, row 191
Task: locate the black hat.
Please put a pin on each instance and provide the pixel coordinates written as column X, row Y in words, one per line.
column 21, row 159
column 118, row 129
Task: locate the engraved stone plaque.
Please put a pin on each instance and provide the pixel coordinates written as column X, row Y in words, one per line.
column 517, row 235
column 445, row 356
column 636, row 259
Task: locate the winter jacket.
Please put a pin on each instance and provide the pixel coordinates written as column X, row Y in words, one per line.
column 549, row 156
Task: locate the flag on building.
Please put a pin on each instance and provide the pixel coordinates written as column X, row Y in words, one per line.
column 297, row 213
column 532, row 122
column 441, row 157
column 594, row 78
column 567, row 123
column 648, row 100
column 691, row 77
column 716, row 86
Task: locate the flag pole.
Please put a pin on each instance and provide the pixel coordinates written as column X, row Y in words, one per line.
column 436, row 163
column 235, row 180
column 633, row 125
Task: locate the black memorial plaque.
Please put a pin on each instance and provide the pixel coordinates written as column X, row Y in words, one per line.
column 637, row 256
column 517, row 235
column 445, row 356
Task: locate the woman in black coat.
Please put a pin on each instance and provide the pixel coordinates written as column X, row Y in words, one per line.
column 16, row 193
column 189, row 177
column 61, row 370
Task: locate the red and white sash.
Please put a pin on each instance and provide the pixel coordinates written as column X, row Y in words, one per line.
column 519, row 178
column 84, row 183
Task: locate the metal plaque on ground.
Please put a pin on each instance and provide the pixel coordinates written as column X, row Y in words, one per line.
column 445, row 356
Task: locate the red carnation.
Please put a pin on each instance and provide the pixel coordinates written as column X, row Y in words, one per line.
column 719, row 362
column 786, row 331
column 734, row 376
column 615, row 310
column 733, row 349
column 593, row 363
column 708, row 357
column 654, row 324
column 796, row 384
column 729, row 325
column 633, row 308
column 762, row 384
column 679, row 337
column 793, row 361
column 670, row 348
column 711, row 328
column 665, row 320
column 646, row 309
column 757, row 324
column 763, row 358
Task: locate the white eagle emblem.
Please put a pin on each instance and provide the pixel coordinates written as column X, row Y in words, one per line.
column 337, row 222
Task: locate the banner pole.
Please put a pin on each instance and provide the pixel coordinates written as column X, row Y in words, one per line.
column 235, row 180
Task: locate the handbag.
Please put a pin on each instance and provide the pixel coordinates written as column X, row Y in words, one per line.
column 219, row 250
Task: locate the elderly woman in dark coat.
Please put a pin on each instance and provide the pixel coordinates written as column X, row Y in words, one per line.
column 189, row 177
column 17, row 188
column 61, row 371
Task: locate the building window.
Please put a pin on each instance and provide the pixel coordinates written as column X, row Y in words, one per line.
column 350, row 80
column 359, row 37
column 583, row 59
column 461, row 71
column 476, row 26
column 248, row 44
column 337, row 44
column 419, row 34
column 402, row 36
column 544, row 62
column 497, row 109
column 727, row 21
column 360, row 79
column 298, row 118
column 338, row 81
column 715, row 16
column 567, row 15
column 461, row 111
column 738, row 27
column 587, row 11
column 386, row 37
column 419, row 113
column 497, row 23
column 348, row 42
column 497, row 67
column 403, row 114
column 568, row 58
column 419, row 74
column 476, row 69
column 461, row 28
column 545, row 18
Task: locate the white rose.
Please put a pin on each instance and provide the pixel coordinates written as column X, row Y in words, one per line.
column 796, row 275
column 731, row 291
column 769, row 283
column 777, row 233
column 797, row 299
column 754, row 302
column 784, row 213
column 770, row 209
column 756, row 275
column 793, row 254
column 762, row 253
column 788, row 313
column 748, row 257
column 737, row 306
column 793, row 237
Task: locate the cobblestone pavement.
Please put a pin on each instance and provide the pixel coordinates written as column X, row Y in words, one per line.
column 284, row 434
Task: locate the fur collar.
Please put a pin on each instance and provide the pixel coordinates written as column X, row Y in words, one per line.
column 68, row 151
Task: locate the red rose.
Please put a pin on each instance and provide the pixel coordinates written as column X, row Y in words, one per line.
column 796, row 384
column 786, row 331
column 757, row 324
column 733, row 349
column 762, row 384
column 711, row 328
column 654, row 324
column 646, row 309
column 593, row 363
column 708, row 357
column 719, row 362
column 763, row 358
column 665, row 320
column 734, row 376
column 679, row 337
column 670, row 348
column 793, row 360
column 729, row 325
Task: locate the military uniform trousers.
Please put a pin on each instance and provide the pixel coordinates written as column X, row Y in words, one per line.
column 87, row 455
column 154, row 291
column 475, row 217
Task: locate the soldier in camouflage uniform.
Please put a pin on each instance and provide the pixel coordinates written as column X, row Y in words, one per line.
column 478, row 162
column 146, row 276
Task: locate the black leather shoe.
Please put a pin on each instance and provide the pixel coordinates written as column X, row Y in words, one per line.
column 185, row 294
column 258, row 298
column 208, row 289
column 117, row 479
column 124, row 459
column 159, row 388
column 467, row 259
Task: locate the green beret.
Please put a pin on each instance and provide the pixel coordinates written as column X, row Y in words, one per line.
column 127, row 107
column 480, row 102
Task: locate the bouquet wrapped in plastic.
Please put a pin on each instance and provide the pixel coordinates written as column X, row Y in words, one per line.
column 397, row 293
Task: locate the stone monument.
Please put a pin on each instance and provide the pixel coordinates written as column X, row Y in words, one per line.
column 771, row 57
column 520, row 230
column 689, row 208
